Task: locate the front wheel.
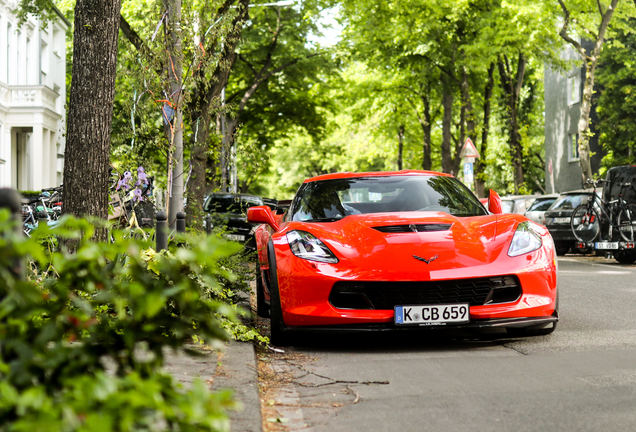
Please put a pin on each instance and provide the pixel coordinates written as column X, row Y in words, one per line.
column 585, row 224
column 626, row 221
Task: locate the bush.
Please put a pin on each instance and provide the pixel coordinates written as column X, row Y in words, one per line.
column 82, row 340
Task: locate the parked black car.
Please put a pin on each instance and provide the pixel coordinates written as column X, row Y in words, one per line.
column 557, row 218
column 615, row 178
column 229, row 211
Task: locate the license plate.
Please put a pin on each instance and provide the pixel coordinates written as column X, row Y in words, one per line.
column 561, row 220
column 606, row 245
column 235, row 237
column 432, row 315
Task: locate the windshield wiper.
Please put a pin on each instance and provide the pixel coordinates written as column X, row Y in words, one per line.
column 327, row 219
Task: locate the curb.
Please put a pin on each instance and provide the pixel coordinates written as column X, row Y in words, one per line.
column 238, row 371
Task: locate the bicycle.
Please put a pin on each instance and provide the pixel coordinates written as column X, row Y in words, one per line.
column 618, row 215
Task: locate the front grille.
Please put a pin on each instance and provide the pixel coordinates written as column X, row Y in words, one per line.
column 387, row 295
column 413, row 228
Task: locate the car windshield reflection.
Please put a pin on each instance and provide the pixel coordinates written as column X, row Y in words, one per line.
column 331, row 200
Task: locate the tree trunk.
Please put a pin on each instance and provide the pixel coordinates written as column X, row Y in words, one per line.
column 426, row 131
column 173, row 39
column 590, row 61
column 447, row 120
column 199, row 161
column 400, row 146
column 512, row 89
column 89, row 118
column 480, row 163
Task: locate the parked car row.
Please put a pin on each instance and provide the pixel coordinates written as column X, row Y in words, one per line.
column 555, row 210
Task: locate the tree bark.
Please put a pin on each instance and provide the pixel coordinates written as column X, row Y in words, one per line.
column 480, row 163
column 89, row 118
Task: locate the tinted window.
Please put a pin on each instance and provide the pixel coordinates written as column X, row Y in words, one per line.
column 569, row 202
column 337, row 198
column 229, row 204
column 542, row 205
column 618, row 176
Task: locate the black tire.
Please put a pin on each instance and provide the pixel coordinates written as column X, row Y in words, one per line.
column 278, row 335
column 262, row 308
column 585, row 224
column 625, row 257
column 626, row 221
column 561, row 249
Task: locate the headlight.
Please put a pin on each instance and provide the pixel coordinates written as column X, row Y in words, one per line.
column 306, row 246
column 525, row 240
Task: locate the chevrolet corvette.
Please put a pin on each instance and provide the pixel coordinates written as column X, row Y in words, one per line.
column 398, row 251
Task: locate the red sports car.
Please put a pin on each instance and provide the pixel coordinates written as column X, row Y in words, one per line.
column 401, row 250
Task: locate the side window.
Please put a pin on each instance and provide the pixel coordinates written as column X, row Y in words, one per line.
column 574, row 89
column 573, row 150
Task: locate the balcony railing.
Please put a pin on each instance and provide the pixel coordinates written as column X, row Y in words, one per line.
column 28, row 96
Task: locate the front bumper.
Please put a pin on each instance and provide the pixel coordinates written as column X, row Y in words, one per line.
column 524, row 322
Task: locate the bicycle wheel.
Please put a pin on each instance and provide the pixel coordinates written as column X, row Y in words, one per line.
column 585, row 224
column 627, row 222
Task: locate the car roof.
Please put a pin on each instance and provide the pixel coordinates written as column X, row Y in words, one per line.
column 232, row 195
column 515, row 197
column 343, row 175
column 582, row 191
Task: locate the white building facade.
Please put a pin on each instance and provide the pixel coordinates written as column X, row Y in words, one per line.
column 32, row 99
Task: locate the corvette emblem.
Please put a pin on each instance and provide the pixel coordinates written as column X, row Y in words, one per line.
column 427, row 261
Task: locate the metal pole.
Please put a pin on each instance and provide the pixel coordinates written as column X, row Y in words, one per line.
column 161, row 232
column 181, row 222
column 208, row 224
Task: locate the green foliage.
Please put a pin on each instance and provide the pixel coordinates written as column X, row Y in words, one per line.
column 616, row 77
column 84, row 338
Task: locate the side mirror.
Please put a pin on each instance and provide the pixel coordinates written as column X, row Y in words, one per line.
column 494, row 203
column 263, row 215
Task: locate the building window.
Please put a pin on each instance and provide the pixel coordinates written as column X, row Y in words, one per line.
column 573, row 151
column 574, row 89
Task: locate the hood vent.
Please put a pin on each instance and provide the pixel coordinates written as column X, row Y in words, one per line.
column 413, row 228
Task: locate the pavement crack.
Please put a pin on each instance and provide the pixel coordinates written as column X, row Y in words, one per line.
column 332, row 381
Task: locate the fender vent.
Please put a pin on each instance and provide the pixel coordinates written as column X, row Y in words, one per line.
column 413, row 228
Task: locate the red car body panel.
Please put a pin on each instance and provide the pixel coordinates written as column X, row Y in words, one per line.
column 473, row 247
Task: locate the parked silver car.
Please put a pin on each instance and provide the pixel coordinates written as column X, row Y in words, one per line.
column 517, row 203
column 536, row 212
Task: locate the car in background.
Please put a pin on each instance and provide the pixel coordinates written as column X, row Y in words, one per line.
column 517, row 203
column 536, row 212
column 557, row 218
column 229, row 211
column 395, row 251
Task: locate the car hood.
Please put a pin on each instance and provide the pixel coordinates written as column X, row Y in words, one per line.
column 386, row 243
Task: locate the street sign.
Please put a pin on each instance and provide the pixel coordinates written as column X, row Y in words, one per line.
column 469, row 150
column 468, row 172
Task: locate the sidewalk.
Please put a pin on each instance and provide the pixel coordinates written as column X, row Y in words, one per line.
column 237, row 370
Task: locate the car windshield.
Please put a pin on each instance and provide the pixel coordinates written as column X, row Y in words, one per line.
column 541, row 205
column 569, row 202
column 229, row 204
column 507, row 206
column 334, row 199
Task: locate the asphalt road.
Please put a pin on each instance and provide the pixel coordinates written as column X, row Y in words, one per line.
column 580, row 378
